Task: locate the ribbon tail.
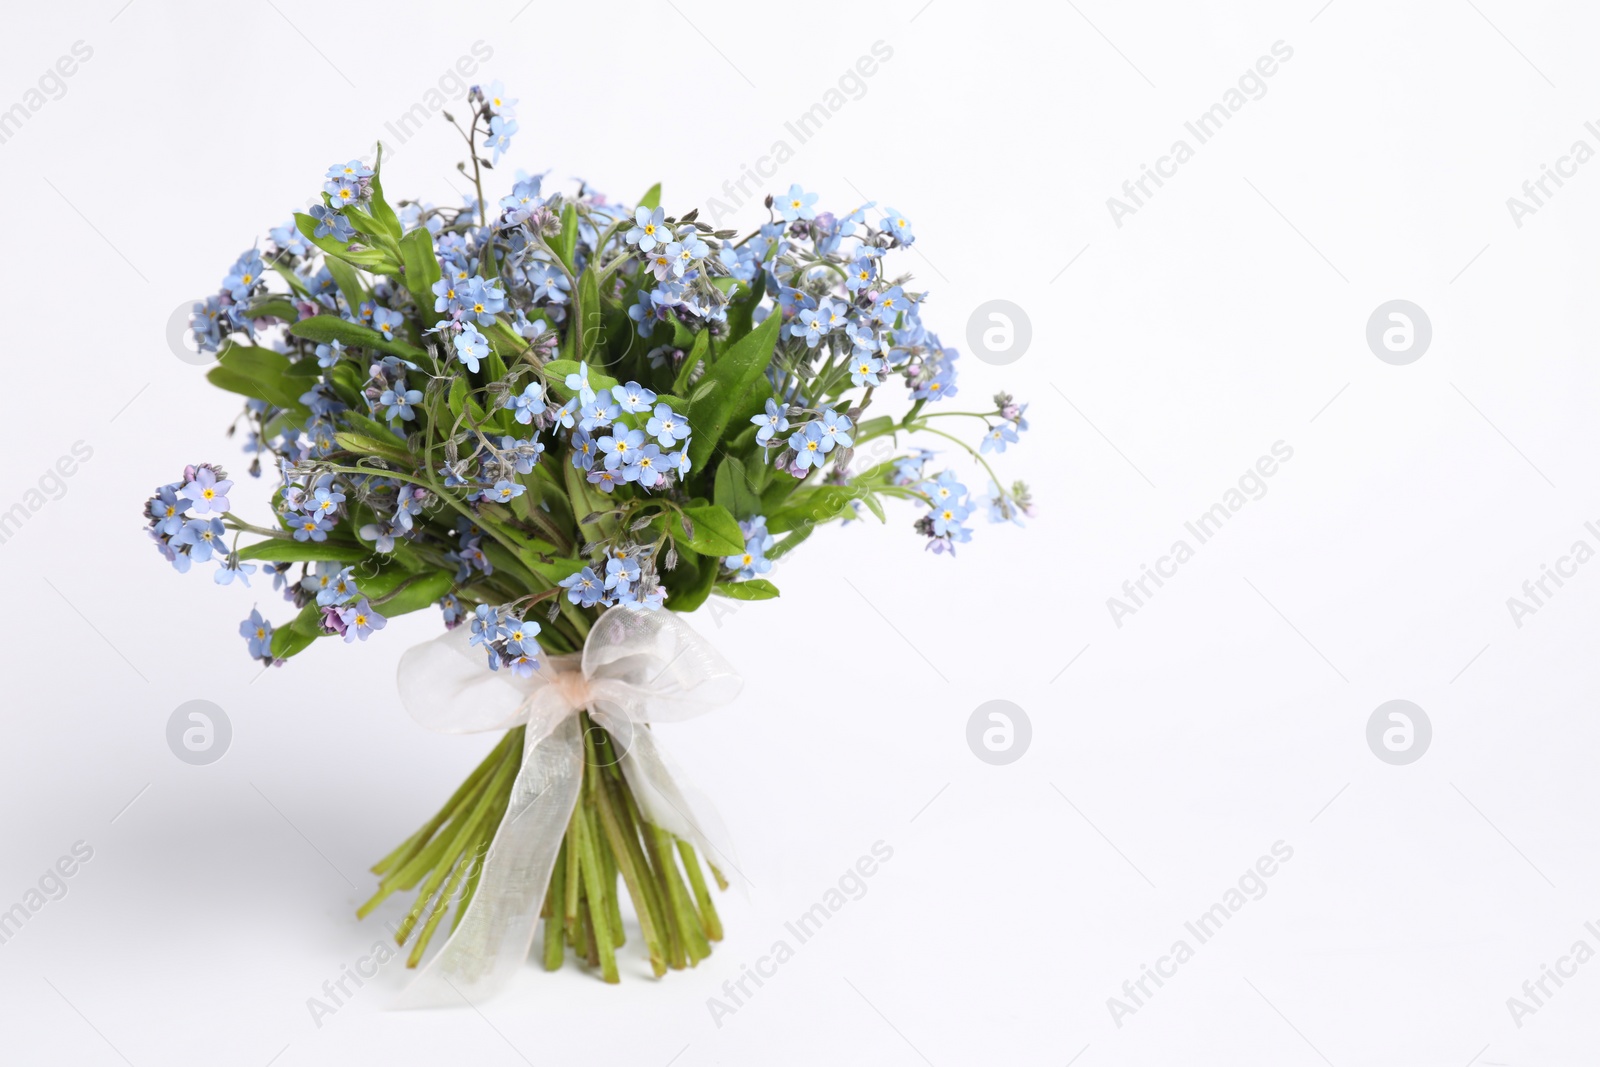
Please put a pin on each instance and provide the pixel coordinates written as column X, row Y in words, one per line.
column 682, row 812
column 494, row 936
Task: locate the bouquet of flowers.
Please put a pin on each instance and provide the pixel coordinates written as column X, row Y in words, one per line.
column 566, row 423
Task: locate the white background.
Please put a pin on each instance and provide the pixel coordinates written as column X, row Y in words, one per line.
column 1229, row 713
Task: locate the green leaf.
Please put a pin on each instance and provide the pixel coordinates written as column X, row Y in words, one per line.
column 413, row 593
column 421, row 265
column 355, row 442
column 373, row 429
column 567, row 247
column 554, row 569
column 788, row 543
column 739, row 368
column 651, row 199
column 370, row 258
column 734, row 491
column 753, row 589
column 287, row 641
column 741, row 309
column 811, row 506
column 273, row 309
column 716, row 531
column 325, row 328
column 587, row 318
column 690, row 593
column 388, row 222
column 257, row 372
column 702, row 345
column 288, row 550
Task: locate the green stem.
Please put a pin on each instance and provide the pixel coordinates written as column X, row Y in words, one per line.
column 697, row 881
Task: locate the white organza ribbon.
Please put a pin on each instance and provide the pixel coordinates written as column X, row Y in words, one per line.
column 636, row 668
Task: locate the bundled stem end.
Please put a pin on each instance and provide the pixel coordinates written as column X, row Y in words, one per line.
column 607, row 842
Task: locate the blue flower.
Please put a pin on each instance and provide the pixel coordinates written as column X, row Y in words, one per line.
column 325, row 501
column 812, row 325
column 338, row 588
column 519, row 635
column 387, row 322
column 999, row 435
column 620, row 447
column 471, row 346
column 208, row 494
column 360, row 620
column 482, row 299
column 811, row 446
column 948, row 516
column 328, row 355
column 607, row 480
column 896, row 225
column 289, row 239
column 667, row 426
column 621, row 572
column 343, row 192
column 865, row 368
column 528, row 404
column 523, row 201
column 202, row 537
column 397, row 402
column 310, row 528
column 168, row 510
column 582, row 451
column 381, row 534
column 633, row 397
column 232, row 568
column 550, row 283
column 500, row 131
column 890, row 303
column 245, row 275
column 504, row 491
column 757, row 542
column 331, row 224
column 796, row 204
column 577, row 383
column 450, row 608
column 485, row 625
column 598, row 413
column 836, row 428
column 649, row 467
column 649, row 229
column 447, row 295
column 586, row 588
column 773, row 422
column 863, row 272
column 352, row 171
column 499, row 104
column 257, row 633
column 943, row 488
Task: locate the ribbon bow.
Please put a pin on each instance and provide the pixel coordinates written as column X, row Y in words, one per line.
column 636, row 668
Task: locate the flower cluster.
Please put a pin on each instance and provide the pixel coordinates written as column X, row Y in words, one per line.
column 758, row 542
column 509, row 640
column 557, row 400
